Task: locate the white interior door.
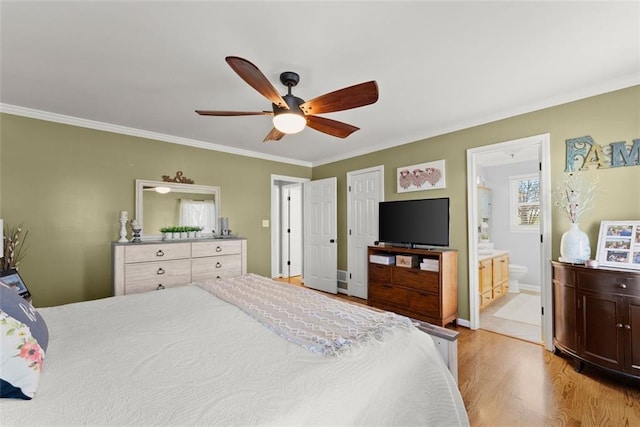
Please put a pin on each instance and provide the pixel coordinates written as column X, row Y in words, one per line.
column 365, row 191
column 320, row 235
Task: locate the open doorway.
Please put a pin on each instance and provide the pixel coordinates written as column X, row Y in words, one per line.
column 286, row 227
column 509, row 238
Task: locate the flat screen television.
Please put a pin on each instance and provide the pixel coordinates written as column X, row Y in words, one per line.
column 422, row 222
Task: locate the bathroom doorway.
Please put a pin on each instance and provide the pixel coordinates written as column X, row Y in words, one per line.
column 509, row 221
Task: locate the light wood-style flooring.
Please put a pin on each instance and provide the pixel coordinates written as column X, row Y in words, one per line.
column 509, row 382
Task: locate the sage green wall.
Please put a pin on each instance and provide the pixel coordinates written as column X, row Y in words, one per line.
column 607, row 118
column 67, row 184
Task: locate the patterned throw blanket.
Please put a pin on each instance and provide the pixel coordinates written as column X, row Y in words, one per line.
column 307, row 318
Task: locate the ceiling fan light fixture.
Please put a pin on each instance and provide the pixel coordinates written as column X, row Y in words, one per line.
column 288, row 122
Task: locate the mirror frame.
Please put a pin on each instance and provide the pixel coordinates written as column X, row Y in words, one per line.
column 175, row 187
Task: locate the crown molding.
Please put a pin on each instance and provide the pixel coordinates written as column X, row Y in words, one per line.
column 560, row 99
column 107, row 127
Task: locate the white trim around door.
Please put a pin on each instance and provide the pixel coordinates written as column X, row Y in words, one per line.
column 543, row 142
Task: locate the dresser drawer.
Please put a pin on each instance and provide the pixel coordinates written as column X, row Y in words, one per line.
column 416, row 279
column 220, row 247
column 147, row 287
column 388, row 293
column 141, row 277
column 622, row 284
column 210, row 268
column 565, row 276
column 379, row 273
column 157, row 252
column 425, row 303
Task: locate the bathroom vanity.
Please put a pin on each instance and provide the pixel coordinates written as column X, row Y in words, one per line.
column 493, row 276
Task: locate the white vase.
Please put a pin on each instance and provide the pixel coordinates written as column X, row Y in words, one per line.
column 574, row 246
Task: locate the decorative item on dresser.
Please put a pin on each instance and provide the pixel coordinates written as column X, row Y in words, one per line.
column 619, row 244
column 573, row 200
column 148, row 266
column 124, row 217
column 596, row 316
column 428, row 293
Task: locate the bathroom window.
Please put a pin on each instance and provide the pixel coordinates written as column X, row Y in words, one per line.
column 524, row 202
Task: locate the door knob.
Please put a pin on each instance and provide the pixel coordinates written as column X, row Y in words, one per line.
column 619, row 325
column 332, row 241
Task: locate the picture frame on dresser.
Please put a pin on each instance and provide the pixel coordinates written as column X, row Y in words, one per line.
column 12, row 279
column 619, row 244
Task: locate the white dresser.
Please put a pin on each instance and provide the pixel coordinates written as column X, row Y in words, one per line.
column 155, row 265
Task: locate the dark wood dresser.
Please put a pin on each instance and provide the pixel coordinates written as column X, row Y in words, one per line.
column 428, row 295
column 596, row 313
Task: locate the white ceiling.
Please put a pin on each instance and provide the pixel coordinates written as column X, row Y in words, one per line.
column 143, row 67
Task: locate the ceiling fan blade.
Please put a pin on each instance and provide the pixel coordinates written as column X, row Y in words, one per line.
column 234, row 113
column 331, row 127
column 343, row 99
column 274, row 135
column 254, row 77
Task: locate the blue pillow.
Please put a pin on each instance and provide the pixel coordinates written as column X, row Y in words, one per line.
column 24, row 338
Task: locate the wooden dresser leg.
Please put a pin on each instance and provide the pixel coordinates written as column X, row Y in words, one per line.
column 578, row 365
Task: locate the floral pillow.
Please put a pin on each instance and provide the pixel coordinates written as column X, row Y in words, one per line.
column 24, row 338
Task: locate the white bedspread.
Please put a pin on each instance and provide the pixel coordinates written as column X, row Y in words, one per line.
column 183, row 357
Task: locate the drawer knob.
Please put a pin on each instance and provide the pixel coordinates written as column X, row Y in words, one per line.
column 160, row 287
column 622, row 286
column 627, row 327
column 160, row 253
column 218, row 249
column 218, row 265
column 619, row 325
column 160, row 271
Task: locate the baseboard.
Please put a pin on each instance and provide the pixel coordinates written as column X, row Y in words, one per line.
column 532, row 288
column 464, row 322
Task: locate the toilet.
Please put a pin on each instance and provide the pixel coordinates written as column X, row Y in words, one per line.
column 516, row 273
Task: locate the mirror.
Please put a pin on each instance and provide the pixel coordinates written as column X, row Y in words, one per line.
column 184, row 204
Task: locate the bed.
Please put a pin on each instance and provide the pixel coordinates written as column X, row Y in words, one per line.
column 194, row 355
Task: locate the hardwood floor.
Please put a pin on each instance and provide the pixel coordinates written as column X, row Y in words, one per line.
column 509, row 382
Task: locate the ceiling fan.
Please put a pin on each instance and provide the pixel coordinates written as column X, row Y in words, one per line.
column 290, row 113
